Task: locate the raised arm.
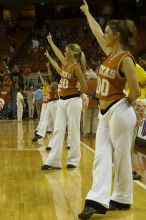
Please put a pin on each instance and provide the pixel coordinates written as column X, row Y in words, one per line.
column 55, row 89
column 53, row 62
column 95, row 27
column 56, row 50
column 50, row 74
column 48, row 68
column 40, row 76
column 79, row 74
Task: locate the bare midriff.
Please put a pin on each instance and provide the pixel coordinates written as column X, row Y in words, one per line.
column 104, row 104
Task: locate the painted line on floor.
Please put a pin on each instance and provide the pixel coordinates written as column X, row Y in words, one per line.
column 43, row 153
column 18, row 149
column 89, row 148
column 142, row 185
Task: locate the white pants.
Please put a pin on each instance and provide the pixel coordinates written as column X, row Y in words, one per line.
column 49, row 115
column 19, row 113
column 42, row 116
column 50, row 126
column 68, row 113
column 113, row 143
column 51, row 141
column 30, row 109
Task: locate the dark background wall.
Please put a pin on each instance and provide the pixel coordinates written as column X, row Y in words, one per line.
column 38, row 11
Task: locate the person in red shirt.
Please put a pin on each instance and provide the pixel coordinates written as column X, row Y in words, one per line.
column 90, row 114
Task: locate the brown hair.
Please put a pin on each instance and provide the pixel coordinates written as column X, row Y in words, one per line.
column 127, row 30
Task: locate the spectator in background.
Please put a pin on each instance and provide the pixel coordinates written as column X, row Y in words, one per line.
column 15, row 70
column 30, row 94
column 26, row 74
column 141, row 77
column 98, row 66
column 6, row 95
column 15, row 87
column 142, row 62
column 90, row 114
column 38, row 100
column 35, row 43
column 101, row 21
column 12, row 48
column 20, row 104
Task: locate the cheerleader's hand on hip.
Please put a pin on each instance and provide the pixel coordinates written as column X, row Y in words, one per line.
column 85, row 100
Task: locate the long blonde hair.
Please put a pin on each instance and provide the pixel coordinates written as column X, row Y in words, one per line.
column 78, row 55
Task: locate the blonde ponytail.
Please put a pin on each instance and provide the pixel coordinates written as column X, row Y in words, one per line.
column 78, row 54
column 83, row 62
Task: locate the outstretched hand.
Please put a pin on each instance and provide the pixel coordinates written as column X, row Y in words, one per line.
column 46, row 54
column 38, row 72
column 48, row 64
column 49, row 37
column 84, row 8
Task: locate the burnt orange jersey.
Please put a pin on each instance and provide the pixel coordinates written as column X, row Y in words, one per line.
column 110, row 84
column 69, row 83
column 52, row 91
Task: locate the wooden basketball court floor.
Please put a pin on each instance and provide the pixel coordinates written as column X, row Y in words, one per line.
column 28, row 193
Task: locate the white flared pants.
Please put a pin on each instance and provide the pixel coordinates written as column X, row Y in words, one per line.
column 68, row 113
column 113, row 144
column 49, row 117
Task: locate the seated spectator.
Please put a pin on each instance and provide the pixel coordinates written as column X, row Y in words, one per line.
column 15, row 70
column 35, row 43
column 12, row 48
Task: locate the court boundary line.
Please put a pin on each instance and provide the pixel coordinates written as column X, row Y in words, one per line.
column 89, row 148
column 19, row 149
column 139, row 183
column 142, row 185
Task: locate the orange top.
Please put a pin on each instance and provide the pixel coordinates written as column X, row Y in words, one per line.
column 69, row 83
column 110, row 84
column 52, row 91
column 91, row 88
